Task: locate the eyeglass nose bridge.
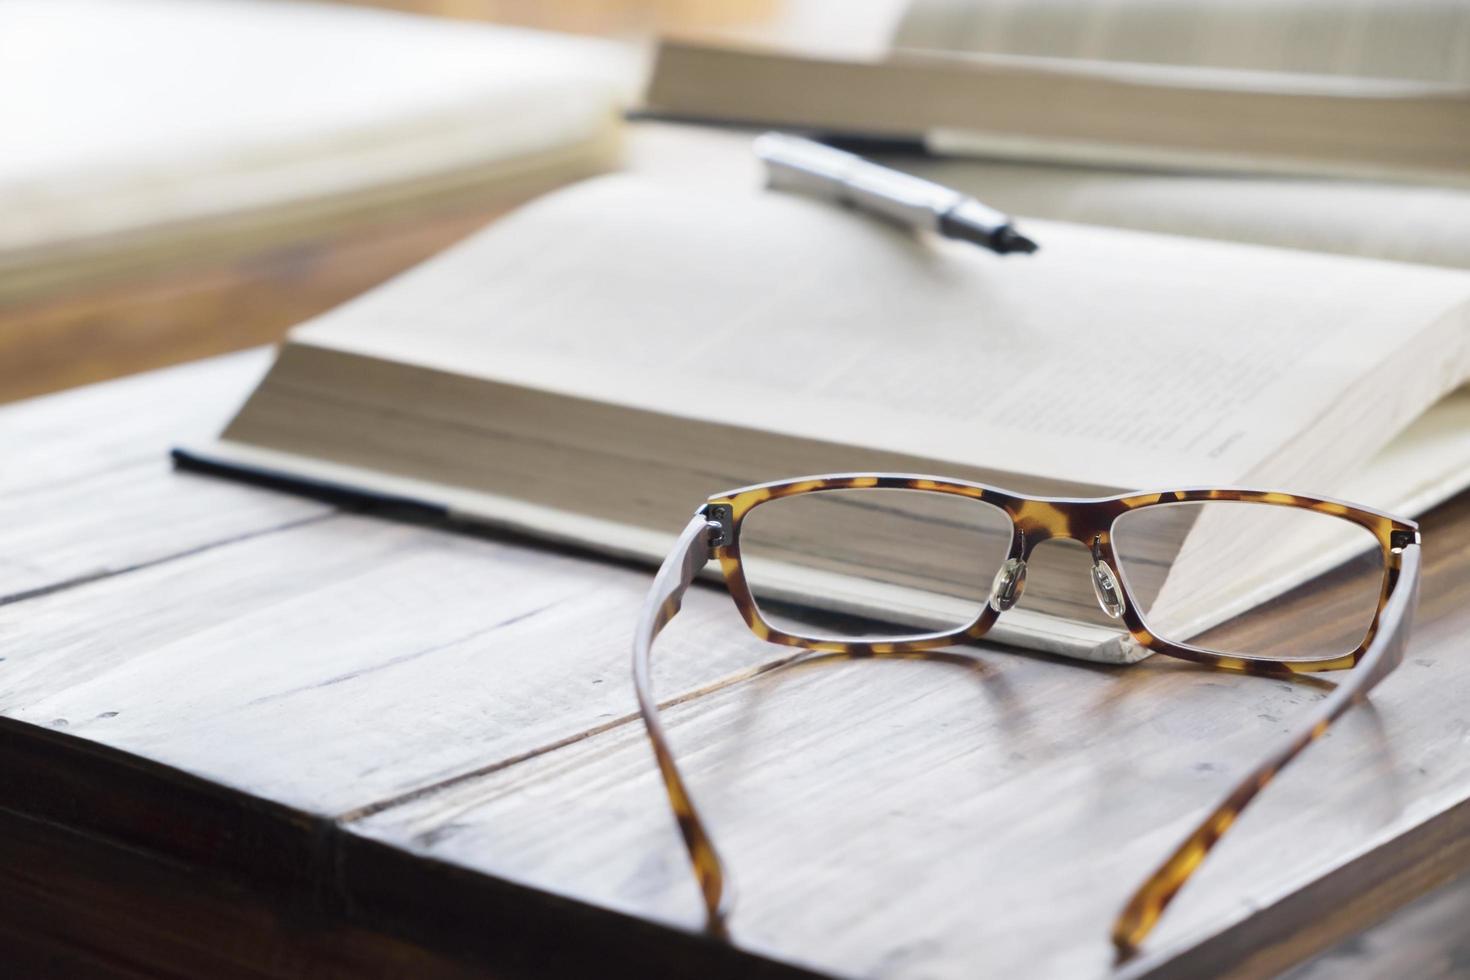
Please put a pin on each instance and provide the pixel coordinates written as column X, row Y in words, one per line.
column 1105, row 584
column 1010, row 578
column 1008, row 584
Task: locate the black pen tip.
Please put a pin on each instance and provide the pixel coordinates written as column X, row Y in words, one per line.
column 1009, row 240
column 1002, row 240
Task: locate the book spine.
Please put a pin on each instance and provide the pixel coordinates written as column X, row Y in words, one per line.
column 341, row 495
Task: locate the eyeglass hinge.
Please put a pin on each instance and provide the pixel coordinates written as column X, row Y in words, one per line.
column 721, row 519
column 1399, row 540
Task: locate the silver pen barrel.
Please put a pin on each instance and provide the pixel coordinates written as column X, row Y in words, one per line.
column 811, row 168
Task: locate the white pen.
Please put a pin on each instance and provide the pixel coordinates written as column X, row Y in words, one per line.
column 808, row 167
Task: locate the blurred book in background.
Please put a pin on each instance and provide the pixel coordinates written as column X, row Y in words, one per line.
column 1333, row 127
column 204, row 146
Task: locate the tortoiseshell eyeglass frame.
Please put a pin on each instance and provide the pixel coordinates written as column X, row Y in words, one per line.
column 714, row 532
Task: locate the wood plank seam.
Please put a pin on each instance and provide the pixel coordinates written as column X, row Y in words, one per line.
column 405, row 658
column 71, row 583
column 423, row 792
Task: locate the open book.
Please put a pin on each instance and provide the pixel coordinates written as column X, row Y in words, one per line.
column 596, row 364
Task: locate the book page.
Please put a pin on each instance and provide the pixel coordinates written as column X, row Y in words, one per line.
column 1402, row 222
column 1398, row 221
column 1109, row 358
column 1419, row 40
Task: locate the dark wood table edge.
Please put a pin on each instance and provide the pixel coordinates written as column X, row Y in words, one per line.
column 1359, row 894
column 324, row 882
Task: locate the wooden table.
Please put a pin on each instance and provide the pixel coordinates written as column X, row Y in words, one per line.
column 251, row 734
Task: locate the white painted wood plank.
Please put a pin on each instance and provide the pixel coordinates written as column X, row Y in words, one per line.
column 87, row 488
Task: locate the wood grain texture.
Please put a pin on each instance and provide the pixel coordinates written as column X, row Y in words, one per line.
column 207, row 304
column 87, row 490
column 130, row 868
column 1427, row 940
column 913, row 819
column 354, row 737
column 93, row 886
column 864, row 28
column 373, row 658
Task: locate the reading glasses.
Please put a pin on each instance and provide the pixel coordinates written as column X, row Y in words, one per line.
column 883, row 563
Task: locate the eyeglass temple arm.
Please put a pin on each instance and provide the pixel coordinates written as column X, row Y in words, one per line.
column 690, row 553
column 1384, row 654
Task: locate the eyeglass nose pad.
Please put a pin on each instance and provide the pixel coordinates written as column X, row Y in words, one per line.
column 1008, row 584
column 1105, row 587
